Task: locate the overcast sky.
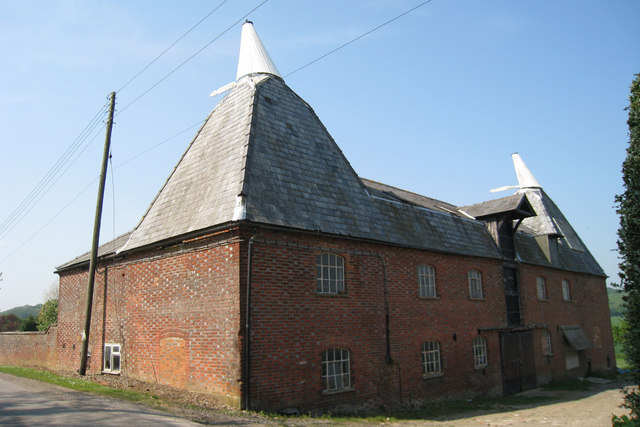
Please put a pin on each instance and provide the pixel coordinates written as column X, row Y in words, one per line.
column 435, row 103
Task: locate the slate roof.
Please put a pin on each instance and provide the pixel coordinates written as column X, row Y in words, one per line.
column 106, row 249
column 517, row 205
column 264, row 157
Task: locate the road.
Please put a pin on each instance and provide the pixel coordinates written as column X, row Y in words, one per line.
column 26, row 402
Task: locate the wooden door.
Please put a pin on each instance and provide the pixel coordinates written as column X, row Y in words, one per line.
column 518, row 361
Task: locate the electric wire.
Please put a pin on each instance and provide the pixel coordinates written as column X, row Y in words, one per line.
column 84, row 189
column 172, row 45
column 192, row 56
column 358, row 38
column 55, row 169
column 54, row 173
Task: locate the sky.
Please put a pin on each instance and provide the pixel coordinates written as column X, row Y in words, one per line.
column 434, row 102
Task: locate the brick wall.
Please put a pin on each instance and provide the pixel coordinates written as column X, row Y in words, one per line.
column 29, row 349
column 175, row 314
column 292, row 324
column 179, row 315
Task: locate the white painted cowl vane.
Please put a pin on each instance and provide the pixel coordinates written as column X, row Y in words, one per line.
column 525, row 177
column 253, row 58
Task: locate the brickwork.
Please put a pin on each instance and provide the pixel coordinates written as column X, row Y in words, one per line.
column 286, row 364
column 176, row 316
column 179, row 315
column 29, row 349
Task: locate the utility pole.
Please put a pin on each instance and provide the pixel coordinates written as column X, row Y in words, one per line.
column 96, row 238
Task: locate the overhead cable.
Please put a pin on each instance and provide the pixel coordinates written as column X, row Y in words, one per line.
column 84, row 189
column 192, row 56
column 172, row 45
column 42, row 187
column 358, row 38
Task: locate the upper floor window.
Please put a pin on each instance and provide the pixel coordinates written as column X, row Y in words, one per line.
column 547, row 350
column 336, row 370
column 426, row 281
column 329, row 274
column 542, row 288
column 566, row 291
column 431, row 358
column 479, row 352
column 111, row 362
column 475, row 284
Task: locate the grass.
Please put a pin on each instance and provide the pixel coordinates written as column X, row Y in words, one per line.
column 438, row 411
column 79, row 384
column 569, row 384
column 433, row 412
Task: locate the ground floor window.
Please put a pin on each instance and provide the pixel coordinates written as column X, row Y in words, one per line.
column 111, row 358
column 547, row 350
column 480, row 352
column 431, row 358
column 336, row 372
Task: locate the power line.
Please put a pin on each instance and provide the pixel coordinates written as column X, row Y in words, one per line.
column 84, row 189
column 45, row 184
column 192, row 56
column 172, row 45
column 358, row 38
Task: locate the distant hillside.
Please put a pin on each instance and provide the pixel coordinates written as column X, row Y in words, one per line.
column 24, row 311
column 615, row 302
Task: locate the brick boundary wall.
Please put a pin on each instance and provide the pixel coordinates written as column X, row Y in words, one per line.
column 30, row 349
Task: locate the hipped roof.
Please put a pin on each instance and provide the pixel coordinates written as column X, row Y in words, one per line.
column 263, row 156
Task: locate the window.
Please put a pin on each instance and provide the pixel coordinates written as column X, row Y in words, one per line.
column 566, row 292
column 335, row 370
column 329, row 274
column 547, row 350
column 431, row 358
column 475, row 284
column 479, row 352
column 426, row 281
column 542, row 288
column 111, row 358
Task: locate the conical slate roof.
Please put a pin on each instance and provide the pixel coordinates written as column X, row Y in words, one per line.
column 263, row 156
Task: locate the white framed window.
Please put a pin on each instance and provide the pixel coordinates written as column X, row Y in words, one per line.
column 112, row 356
column 542, row 288
column 547, row 350
column 480, row 352
column 336, row 372
column 426, row 281
column 566, row 290
column 431, row 358
column 475, row 284
column 329, row 274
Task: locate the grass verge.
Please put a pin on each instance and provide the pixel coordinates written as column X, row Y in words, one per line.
column 79, row 384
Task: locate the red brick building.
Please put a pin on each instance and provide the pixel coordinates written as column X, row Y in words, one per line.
column 267, row 273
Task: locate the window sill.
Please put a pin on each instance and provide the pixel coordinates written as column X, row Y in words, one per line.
column 342, row 390
column 428, row 298
column 477, row 299
column 111, row 372
column 431, row 376
column 480, row 367
column 327, row 294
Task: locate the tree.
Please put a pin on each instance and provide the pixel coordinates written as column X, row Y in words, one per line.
column 9, row 322
column 628, row 207
column 48, row 315
column 28, row 325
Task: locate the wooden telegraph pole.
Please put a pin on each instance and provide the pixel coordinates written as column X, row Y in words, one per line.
column 96, row 238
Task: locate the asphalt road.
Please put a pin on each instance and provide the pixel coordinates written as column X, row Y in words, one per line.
column 25, row 402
